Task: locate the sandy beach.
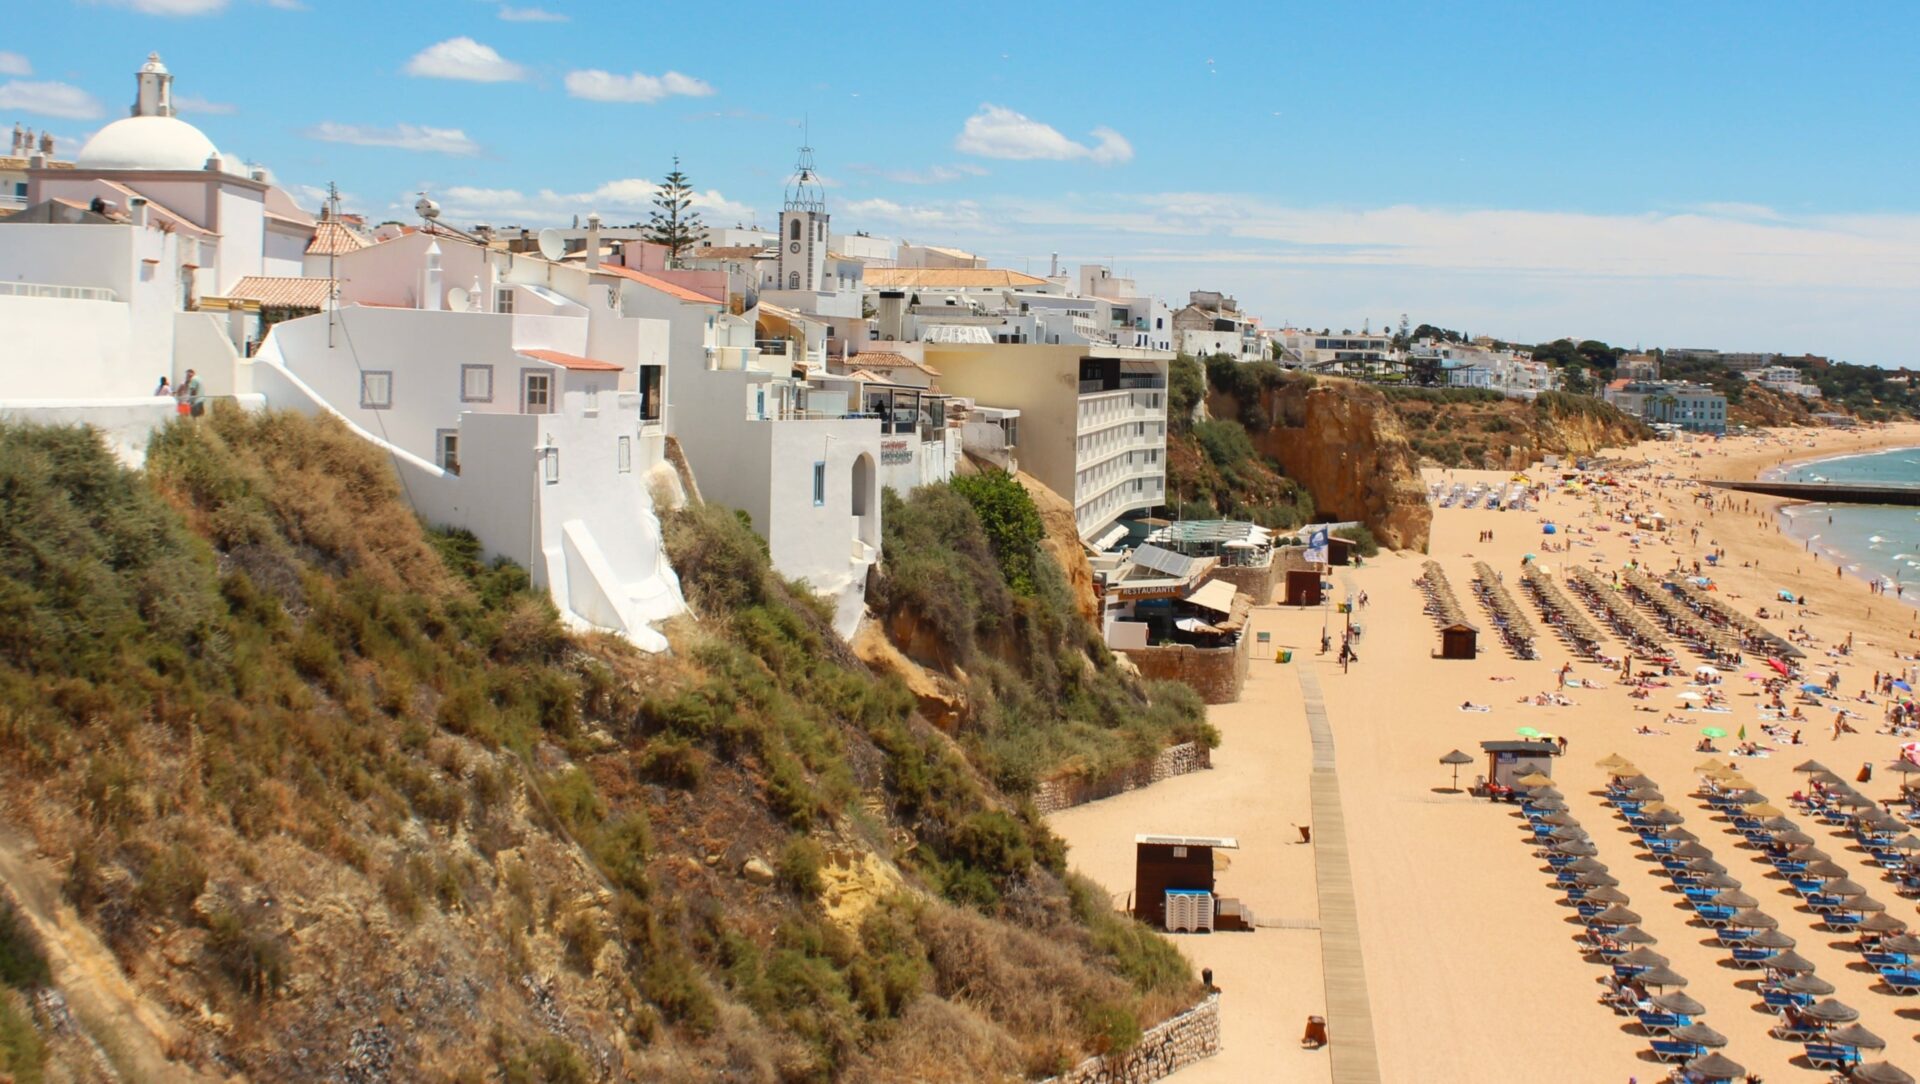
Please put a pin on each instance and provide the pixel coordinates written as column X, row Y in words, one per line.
column 1471, row 968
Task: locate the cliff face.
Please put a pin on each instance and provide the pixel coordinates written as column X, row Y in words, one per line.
column 1345, row 444
column 1509, row 433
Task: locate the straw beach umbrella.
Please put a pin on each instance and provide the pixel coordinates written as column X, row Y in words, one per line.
column 1792, row 837
column 1633, row 935
column 1788, row 963
column 1534, row 779
column 1579, row 848
column 1596, row 879
column 1843, row 887
column 1735, row 898
column 1645, row 957
column 1587, row 865
column 1812, row 766
column 1880, row 1072
column 1700, row 1035
column 1611, row 760
column 1606, row 894
column 1748, row 918
column 1806, row 982
column 1706, row 865
column 1661, row 976
column 1855, row 1035
column 1831, row 1011
column 1456, row 760
column 1614, row 916
column 1882, row 922
column 1693, row 850
column 1679, row 1004
column 1716, row 1067
column 1905, row 942
column 1772, row 939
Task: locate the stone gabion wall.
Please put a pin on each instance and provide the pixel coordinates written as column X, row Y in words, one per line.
column 1257, row 582
column 1054, row 795
column 1162, row 1051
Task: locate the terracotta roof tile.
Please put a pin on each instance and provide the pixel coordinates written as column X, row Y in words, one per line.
column 333, row 239
column 573, row 362
column 274, row 291
column 684, row 293
column 729, row 252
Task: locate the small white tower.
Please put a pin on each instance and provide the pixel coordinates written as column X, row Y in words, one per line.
column 803, row 230
column 156, row 89
column 430, row 286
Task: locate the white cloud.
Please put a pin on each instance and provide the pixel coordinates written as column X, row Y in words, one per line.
column 465, row 59
column 942, row 174
column 531, row 15
column 190, row 104
column 14, row 64
column 407, row 137
column 998, row 132
column 956, row 215
column 629, row 199
column 601, row 86
column 49, row 100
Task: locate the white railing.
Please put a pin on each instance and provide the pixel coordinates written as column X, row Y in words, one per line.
column 67, row 293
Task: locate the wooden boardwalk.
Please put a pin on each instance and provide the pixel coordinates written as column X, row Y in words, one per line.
column 1349, row 1012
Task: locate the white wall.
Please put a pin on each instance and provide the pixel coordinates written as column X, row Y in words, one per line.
column 126, row 425
column 62, row 349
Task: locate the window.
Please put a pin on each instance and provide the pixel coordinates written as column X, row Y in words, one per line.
column 376, row 389
column 793, row 277
column 650, row 397
column 503, row 299
column 536, row 392
column 793, row 233
column 593, row 398
column 550, row 465
column 476, row 383
column 819, row 484
column 623, row 455
column 447, row 447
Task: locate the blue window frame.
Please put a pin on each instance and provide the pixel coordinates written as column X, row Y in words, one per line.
column 819, row 484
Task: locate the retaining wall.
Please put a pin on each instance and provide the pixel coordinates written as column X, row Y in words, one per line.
column 1162, row 1051
column 1216, row 673
column 1257, row 582
column 1054, row 795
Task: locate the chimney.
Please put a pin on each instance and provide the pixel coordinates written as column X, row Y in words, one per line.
column 137, row 210
column 891, row 314
column 593, row 241
column 430, row 279
column 1053, row 266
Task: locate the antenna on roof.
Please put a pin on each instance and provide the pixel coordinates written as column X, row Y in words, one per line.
column 333, row 282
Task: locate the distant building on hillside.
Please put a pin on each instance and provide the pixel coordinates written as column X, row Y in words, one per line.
column 1690, row 407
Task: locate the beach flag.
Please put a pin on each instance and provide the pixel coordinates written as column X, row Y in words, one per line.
column 1317, row 545
column 1743, row 732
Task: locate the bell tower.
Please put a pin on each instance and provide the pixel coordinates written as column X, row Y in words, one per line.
column 156, row 89
column 803, row 230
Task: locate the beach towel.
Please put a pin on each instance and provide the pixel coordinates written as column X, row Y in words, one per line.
column 1475, row 707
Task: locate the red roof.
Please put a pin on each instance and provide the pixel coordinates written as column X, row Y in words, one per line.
column 672, row 288
column 573, row 362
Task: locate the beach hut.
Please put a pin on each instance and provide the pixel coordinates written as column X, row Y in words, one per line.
column 1303, row 587
column 1507, row 761
column 1177, row 873
column 1339, row 550
column 1459, row 640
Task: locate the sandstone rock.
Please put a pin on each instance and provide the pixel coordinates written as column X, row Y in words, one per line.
column 1063, row 542
column 941, row 700
column 757, row 871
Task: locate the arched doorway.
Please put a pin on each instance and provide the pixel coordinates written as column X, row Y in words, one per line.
column 866, row 500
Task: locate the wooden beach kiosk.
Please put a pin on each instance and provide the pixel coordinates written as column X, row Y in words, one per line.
column 1173, row 884
column 1509, row 760
column 1339, row 551
column 1459, row 640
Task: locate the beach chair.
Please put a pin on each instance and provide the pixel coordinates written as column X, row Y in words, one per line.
column 1659, row 1023
column 1673, row 864
column 1730, row 936
column 1826, row 903
column 1832, row 1056
column 1841, row 921
column 1884, row 961
column 1751, row 957
column 1714, row 914
column 1672, row 1050
column 1901, row 982
column 1802, row 1031
column 1789, row 866
column 1697, row 894
column 1780, row 1000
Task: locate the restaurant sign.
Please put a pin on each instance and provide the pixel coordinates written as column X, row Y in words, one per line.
column 895, row 453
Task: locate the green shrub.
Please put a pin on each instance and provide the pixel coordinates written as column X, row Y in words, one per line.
column 1225, row 442
column 21, row 965
column 254, row 958
column 22, row 1055
column 1363, row 541
column 799, row 867
column 1011, row 521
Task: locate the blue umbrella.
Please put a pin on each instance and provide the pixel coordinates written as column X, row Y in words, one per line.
column 1816, row 690
column 1902, row 686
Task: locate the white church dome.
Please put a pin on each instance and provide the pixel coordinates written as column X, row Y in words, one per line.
column 147, row 142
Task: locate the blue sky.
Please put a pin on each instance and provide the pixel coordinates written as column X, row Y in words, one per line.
column 1740, row 175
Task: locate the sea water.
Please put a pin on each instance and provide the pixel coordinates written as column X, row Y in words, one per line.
column 1873, row 541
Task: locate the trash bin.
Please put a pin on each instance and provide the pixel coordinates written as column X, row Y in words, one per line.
column 1316, row 1034
column 1284, row 656
column 1306, row 832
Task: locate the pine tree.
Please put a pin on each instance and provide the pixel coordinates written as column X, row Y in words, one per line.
column 676, row 225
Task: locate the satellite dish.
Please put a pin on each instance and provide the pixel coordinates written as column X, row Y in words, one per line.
column 552, row 245
column 426, row 208
column 457, row 299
